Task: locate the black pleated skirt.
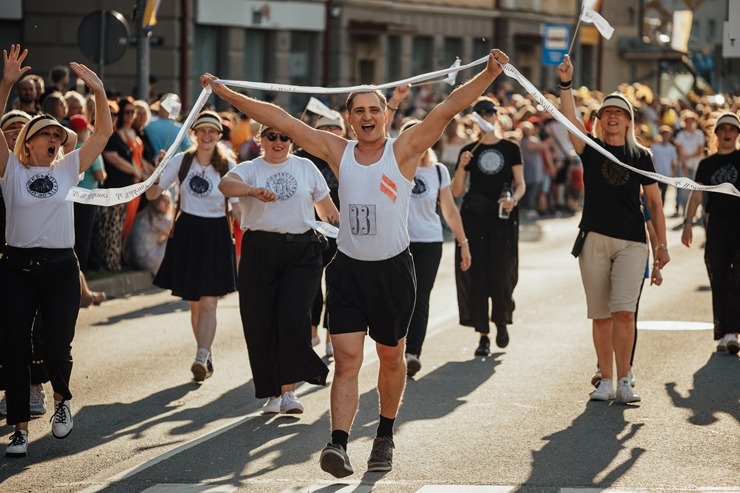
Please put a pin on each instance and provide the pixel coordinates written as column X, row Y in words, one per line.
column 199, row 259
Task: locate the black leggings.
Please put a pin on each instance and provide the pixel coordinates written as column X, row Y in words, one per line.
column 47, row 281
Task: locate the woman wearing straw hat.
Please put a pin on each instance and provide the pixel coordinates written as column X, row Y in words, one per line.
column 199, row 263
column 722, row 218
column 614, row 249
column 39, row 270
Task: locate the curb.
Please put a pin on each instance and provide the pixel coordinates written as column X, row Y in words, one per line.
column 123, row 284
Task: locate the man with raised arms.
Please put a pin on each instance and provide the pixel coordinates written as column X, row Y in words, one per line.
column 370, row 281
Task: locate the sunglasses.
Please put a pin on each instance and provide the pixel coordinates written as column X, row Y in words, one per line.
column 485, row 113
column 272, row 137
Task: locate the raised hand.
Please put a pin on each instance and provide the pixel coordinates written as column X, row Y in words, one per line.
column 12, row 64
column 496, row 60
column 209, row 80
column 565, row 69
column 89, row 77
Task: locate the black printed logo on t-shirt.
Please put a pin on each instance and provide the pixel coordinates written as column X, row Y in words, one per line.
column 42, row 186
column 491, row 161
column 421, row 187
column 284, row 185
column 614, row 174
column 725, row 174
column 200, row 185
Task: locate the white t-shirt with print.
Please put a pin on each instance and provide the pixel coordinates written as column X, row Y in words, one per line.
column 199, row 193
column 424, row 222
column 297, row 183
column 39, row 216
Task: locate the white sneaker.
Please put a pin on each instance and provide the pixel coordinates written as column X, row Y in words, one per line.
column 413, row 364
column 329, row 349
column 272, row 406
column 37, row 402
column 3, row 406
column 631, row 377
column 625, row 394
column 733, row 346
column 62, row 422
column 199, row 368
column 18, row 444
column 604, row 392
column 722, row 343
column 290, row 404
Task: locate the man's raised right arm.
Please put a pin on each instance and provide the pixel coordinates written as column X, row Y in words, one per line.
column 315, row 142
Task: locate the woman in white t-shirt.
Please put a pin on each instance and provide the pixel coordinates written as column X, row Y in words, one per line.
column 431, row 187
column 199, row 264
column 38, row 269
column 280, row 267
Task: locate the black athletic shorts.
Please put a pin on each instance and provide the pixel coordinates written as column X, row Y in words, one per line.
column 375, row 295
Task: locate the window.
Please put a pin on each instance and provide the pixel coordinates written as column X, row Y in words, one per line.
column 423, row 56
column 257, row 65
column 393, row 58
column 303, row 66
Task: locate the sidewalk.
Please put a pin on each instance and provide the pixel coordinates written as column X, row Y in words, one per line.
column 121, row 284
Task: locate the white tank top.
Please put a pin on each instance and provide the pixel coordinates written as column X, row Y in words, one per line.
column 375, row 206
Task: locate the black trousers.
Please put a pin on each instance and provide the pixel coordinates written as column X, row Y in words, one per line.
column 494, row 273
column 427, row 257
column 47, row 281
column 277, row 282
column 84, row 221
column 722, row 258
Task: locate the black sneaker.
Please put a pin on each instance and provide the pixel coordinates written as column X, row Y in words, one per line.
column 502, row 336
column 335, row 461
column 381, row 457
column 484, row 346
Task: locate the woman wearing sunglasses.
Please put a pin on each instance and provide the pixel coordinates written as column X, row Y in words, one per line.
column 39, row 270
column 280, row 267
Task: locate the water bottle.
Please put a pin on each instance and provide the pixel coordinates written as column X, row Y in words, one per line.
column 502, row 212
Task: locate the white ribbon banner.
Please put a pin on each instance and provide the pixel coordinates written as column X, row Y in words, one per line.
column 114, row 196
column 266, row 86
column 512, row 72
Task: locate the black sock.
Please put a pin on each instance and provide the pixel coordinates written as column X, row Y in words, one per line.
column 385, row 427
column 484, row 337
column 339, row 437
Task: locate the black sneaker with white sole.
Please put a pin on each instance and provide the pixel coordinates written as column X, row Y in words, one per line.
column 381, row 456
column 335, row 461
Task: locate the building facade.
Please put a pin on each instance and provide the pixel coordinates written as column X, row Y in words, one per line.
column 349, row 42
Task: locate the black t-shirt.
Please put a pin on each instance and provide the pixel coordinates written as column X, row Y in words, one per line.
column 716, row 169
column 117, row 178
column 491, row 167
column 611, row 204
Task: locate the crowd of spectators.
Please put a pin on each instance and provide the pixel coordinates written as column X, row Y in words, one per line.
column 553, row 171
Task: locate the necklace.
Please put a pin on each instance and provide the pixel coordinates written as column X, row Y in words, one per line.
column 203, row 168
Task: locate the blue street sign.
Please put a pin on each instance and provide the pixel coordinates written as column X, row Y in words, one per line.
column 555, row 43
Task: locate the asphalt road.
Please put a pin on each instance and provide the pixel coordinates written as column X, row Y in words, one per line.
column 519, row 420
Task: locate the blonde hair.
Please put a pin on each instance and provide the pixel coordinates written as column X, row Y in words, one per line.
column 21, row 151
column 632, row 147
